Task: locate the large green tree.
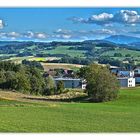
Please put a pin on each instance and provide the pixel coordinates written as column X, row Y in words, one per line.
column 101, row 84
column 60, row 87
column 50, row 86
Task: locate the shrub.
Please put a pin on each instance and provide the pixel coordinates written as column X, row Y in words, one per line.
column 60, row 87
column 101, row 84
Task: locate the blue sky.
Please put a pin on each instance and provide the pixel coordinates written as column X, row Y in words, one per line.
column 45, row 24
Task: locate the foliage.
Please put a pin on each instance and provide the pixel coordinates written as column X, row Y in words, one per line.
column 117, row 55
column 50, row 86
column 128, row 55
column 22, row 78
column 111, row 61
column 32, row 64
column 122, row 115
column 60, row 87
column 101, row 84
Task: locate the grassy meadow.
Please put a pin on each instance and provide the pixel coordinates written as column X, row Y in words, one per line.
column 122, row 115
column 48, row 66
column 65, row 50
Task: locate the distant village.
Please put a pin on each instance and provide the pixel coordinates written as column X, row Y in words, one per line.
column 126, row 78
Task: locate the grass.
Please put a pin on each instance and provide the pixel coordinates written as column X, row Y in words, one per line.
column 32, row 58
column 123, row 51
column 122, row 115
column 48, row 66
column 65, row 50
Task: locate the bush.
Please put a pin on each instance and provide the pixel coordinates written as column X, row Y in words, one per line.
column 101, row 84
column 50, row 86
column 128, row 55
column 117, row 55
column 60, row 87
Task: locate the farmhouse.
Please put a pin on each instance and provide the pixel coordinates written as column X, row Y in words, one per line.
column 72, row 82
column 123, row 73
column 126, row 78
column 115, row 70
column 126, row 81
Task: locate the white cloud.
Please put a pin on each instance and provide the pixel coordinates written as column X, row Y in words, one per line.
column 104, row 31
column 28, row 34
column 62, row 31
column 101, row 18
column 13, row 34
column 40, row 35
column 129, row 17
column 66, row 36
column 34, row 35
column 82, row 34
column 1, row 24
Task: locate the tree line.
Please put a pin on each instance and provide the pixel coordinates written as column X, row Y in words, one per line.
column 26, row 78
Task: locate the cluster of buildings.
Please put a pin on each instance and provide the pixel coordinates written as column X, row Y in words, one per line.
column 125, row 78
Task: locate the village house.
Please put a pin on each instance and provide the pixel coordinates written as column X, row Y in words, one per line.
column 124, row 73
column 126, row 78
column 126, row 81
column 71, row 82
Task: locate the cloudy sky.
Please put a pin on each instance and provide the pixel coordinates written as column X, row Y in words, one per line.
column 45, row 24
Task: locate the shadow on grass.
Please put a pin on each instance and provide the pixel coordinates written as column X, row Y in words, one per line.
column 83, row 99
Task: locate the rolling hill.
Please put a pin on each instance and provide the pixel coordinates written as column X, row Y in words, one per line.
column 122, row 39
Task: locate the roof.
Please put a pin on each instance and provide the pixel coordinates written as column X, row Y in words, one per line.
column 63, row 79
column 137, row 68
column 114, row 67
column 119, row 78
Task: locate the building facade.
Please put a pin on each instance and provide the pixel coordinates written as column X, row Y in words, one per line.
column 126, row 81
column 71, row 82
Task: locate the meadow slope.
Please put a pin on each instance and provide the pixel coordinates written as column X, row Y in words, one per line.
column 122, row 115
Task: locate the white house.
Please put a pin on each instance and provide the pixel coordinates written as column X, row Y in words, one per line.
column 71, row 82
column 126, row 81
column 123, row 73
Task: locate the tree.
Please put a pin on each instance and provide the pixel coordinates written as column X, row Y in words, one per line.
column 2, row 79
column 21, row 83
column 128, row 55
column 117, row 55
column 50, row 86
column 10, row 79
column 37, row 81
column 60, row 87
column 101, row 84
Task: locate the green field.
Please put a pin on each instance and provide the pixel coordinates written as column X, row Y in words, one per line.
column 123, row 51
column 48, row 66
column 65, row 50
column 122, row 115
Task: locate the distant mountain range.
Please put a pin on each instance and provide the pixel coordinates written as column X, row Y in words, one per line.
column 122, row 39
column 112, row 41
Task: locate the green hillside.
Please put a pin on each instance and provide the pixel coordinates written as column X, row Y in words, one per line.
column 122, row 115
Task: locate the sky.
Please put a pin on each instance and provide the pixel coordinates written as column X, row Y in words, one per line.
column 47, row 24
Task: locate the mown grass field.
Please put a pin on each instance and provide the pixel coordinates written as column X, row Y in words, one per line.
column 48, row 66
column 122, row 115
column 123, row 51
column 65, row 50
column 32, row 58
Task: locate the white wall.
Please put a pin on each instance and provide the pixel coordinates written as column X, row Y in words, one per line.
column 131, row 82
column 127, row 82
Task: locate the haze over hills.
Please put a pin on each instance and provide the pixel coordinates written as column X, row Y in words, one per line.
column 122, row 39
